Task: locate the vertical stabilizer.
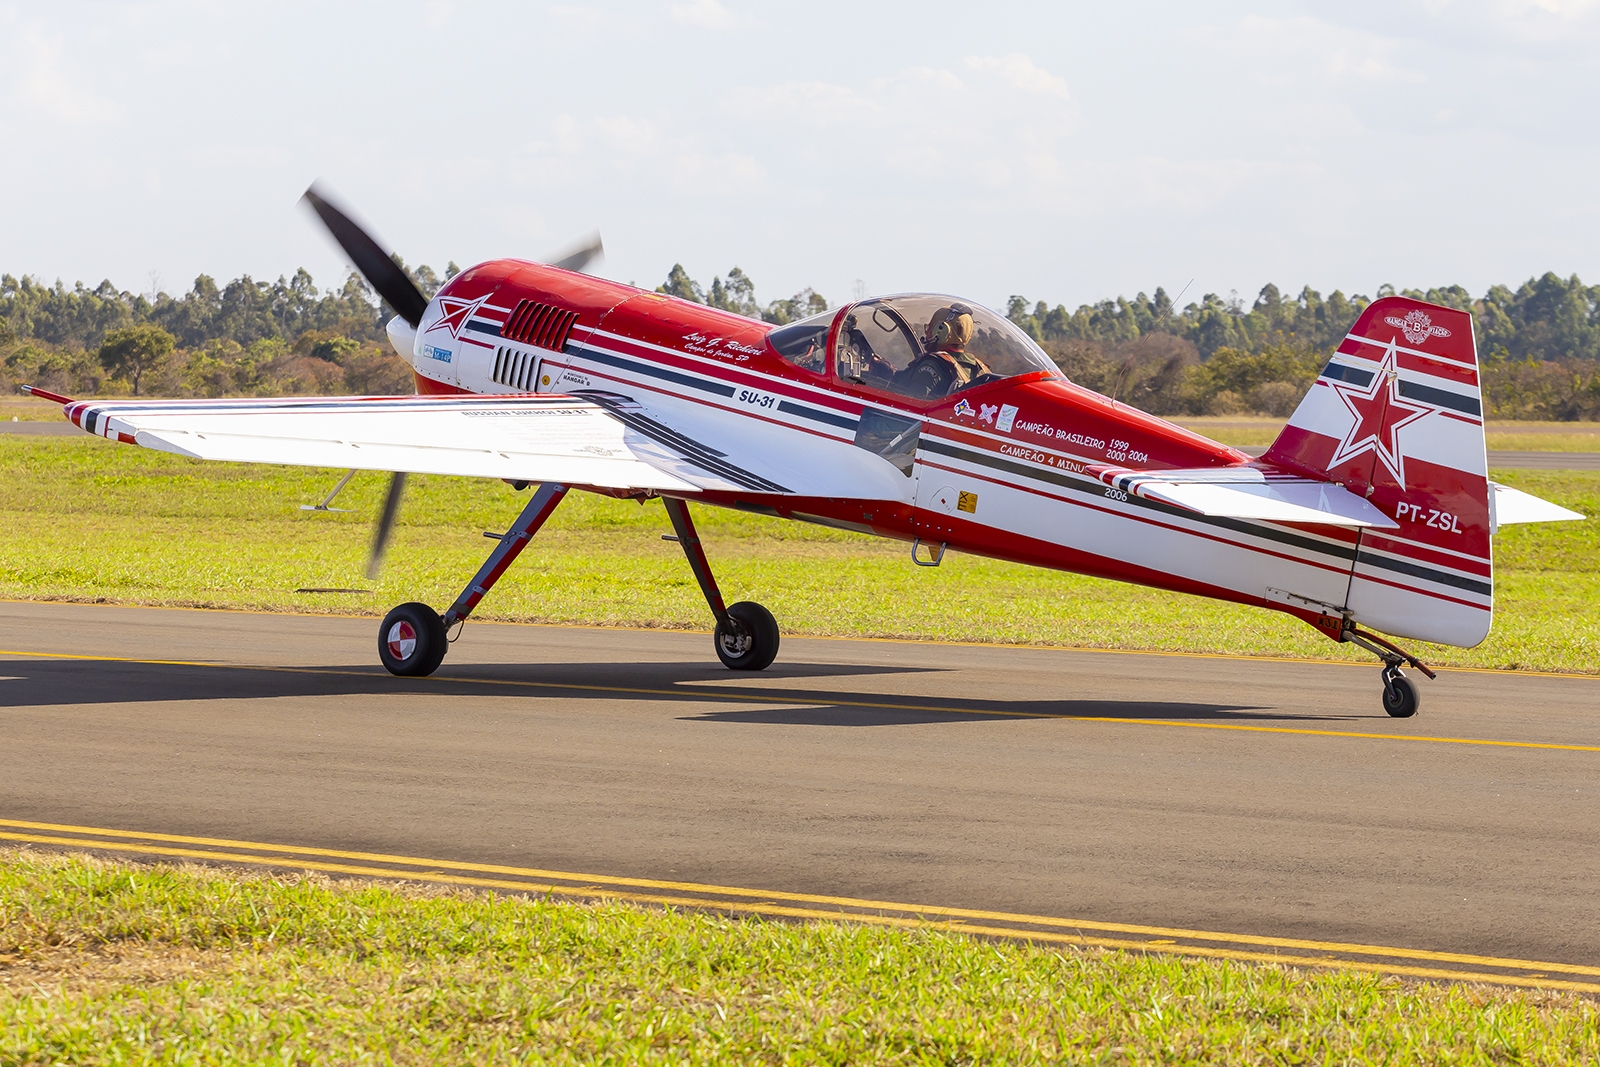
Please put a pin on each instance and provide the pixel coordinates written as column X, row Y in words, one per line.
column 1397, row 417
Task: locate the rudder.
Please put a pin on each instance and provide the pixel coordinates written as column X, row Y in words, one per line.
column 1396, row 416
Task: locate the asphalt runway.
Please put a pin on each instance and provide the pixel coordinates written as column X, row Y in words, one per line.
column 1108, row 794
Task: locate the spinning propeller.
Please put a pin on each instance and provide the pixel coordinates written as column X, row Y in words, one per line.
column 391, row 282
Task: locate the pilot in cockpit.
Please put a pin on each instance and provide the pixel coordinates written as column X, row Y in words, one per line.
column 945, row 365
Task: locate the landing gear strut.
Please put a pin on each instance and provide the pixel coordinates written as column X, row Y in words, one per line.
column 412, row 639
column 746, row 636
column 1400, row 696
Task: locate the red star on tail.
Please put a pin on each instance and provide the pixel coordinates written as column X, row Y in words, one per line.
column 1379, row 414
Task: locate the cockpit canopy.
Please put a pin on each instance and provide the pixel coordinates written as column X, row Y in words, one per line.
column 921, row 346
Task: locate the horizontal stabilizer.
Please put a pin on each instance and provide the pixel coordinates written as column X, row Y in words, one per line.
column 1508, row 506
column 1245, row 493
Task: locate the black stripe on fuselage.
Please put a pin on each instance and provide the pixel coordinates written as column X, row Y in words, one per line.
column 651, row 370
column 805, row 411
column 788, row 407
column 1416, row 570
column 1344, row 553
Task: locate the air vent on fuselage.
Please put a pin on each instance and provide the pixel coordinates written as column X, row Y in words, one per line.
column 543, row 325
column 514, row 369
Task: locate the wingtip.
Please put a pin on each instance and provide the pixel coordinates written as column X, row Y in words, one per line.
column 45, row 394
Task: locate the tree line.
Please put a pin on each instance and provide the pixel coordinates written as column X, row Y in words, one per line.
column 1539, row 344
column 244, row 338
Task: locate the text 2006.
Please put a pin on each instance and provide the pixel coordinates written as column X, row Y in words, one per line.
column 758, row 400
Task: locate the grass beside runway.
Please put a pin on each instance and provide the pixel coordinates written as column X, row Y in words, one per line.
column 1244, row 431
column 89, row 520
column 112, row 963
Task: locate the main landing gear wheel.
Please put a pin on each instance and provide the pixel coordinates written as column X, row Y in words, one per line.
column 412, row 641
column 1400, row 696
column 750, row 641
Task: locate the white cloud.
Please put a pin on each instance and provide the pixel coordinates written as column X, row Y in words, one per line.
column 1303, row 49
column 708, row 15
column 1018, row 71
column 43, row 81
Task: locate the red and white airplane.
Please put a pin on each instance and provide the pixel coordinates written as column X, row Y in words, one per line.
column 918, row 417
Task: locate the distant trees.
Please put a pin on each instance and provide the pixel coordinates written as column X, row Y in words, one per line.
column 737, row 293
column 1539, row 346
column 134, row 351
column 1539, row 343
column 245, row 337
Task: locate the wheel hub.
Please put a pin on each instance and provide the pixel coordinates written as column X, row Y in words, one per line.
column 735, row 640
column 402, row 640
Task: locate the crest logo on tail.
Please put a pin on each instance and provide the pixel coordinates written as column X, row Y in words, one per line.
column 1417, row 326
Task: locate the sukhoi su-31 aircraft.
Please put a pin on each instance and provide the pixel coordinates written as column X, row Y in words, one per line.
column 919, row 417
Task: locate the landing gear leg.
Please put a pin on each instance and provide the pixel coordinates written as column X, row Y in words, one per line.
column 746, row 636
column 413, row 637
column 1400, row 696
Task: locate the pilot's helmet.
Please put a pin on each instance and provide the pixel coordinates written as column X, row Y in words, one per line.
column 950, row 328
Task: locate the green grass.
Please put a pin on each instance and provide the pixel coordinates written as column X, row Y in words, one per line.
column 1244, row 431
column 110, row 964
column 89, row 520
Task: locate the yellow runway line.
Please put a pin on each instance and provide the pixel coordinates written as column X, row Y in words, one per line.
column 830, row 908
column 745, row 696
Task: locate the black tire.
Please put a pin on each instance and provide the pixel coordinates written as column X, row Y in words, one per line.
column 412, row 641
column 752, row 644
column 1400, row 697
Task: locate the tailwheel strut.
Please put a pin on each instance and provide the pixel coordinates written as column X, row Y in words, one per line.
column 1400, row 695
column 746, row 636
column 413, row 638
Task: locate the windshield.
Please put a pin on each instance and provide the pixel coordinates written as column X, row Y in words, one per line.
column 926, row 346
column 804, row 343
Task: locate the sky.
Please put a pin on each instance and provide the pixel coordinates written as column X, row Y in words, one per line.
column 1062, row 151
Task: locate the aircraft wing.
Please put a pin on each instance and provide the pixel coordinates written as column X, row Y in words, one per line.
column 1247, row 493
column 565, row 439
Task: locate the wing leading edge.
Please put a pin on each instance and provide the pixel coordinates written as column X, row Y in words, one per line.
column 537, row 439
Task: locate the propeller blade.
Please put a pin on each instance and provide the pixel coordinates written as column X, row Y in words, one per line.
column 381, row 272
column 380, row 535
column 579, row 258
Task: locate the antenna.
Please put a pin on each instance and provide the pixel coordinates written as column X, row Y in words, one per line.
column 1165, row 315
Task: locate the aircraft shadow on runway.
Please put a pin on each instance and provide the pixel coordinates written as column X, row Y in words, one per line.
column 39, row 683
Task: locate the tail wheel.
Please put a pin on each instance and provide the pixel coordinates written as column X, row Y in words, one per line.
column 750, row 640
column 1400, row 696
column 412, row 641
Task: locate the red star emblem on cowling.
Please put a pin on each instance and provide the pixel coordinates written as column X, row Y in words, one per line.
column 1379, row 414
column 453, row 314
